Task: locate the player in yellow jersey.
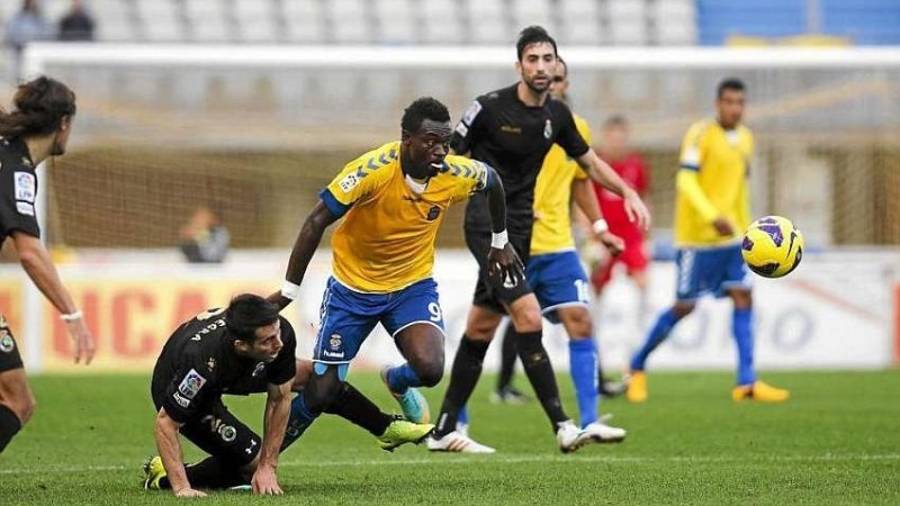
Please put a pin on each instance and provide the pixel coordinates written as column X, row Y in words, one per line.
column 392, row 200
column 556, row 275
column 711, row 212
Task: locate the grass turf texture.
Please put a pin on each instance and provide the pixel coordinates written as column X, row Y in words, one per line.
column 836, row 441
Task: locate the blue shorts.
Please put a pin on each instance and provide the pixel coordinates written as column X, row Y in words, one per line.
column 558, row 280
column 347, row 317
column 710, row 270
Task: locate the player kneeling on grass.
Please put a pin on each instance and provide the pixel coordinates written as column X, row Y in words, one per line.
column 242, row 349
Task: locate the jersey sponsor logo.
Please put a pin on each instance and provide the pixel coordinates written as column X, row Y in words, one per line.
column 26, row 186
column 548, row 130
column 249, row 450
column 471, row 113
column 191, row 384
column 25, row 208
column 511, row 129
column 462, row 129
column 181, row 401
column 349, row 182
column 433, row 213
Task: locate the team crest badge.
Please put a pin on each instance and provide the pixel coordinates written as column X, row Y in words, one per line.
column 335, row 341
column 548, row 130
column 433, row 213
column 6, row 343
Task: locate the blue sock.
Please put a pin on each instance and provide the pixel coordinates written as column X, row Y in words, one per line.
column 401, row 378
column 583, row 368
column 742, row 326
column 657, row 335
column 463, row 416
column 298, row 421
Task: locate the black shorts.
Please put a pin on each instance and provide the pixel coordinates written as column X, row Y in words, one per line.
column 490, row 292
column 219, row 433
column 9, row 350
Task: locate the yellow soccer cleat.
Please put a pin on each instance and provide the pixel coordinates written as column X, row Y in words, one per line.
column 153, row 472
column 637, row 387
column 760, row 392
column 402, row 431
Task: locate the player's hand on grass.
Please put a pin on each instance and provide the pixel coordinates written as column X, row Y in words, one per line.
column 189, row 492
column 636, row 209
column 614, row 244
column 265, row 482
column 506, row 264
column 84, row 341
column 723, row 227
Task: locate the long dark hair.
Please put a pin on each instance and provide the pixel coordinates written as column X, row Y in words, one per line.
column 40, row 104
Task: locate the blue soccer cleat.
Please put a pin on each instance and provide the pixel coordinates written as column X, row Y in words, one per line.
column 412, row 402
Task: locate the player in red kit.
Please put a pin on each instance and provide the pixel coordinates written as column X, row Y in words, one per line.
column 631, row 167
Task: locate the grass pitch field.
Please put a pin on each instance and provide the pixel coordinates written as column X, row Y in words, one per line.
column 836, row 441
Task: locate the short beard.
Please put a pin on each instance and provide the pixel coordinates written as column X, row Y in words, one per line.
column 534, row 88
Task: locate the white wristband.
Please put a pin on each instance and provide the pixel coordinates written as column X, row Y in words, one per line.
column 71, row 317
column 600, row 226
column 499, row 239
column 290, row 290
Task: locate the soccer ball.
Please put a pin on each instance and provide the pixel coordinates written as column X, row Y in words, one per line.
column 772, row 247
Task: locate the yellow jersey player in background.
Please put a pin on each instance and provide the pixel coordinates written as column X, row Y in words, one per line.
column 557, row 277
column 711, row 212
column 392, row 201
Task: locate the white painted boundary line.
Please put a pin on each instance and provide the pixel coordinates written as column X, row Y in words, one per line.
column 520, row 459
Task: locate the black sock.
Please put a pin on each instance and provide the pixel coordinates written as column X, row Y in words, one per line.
column 540, row 373
column 9, row 426
column 599, row 374
column 507, row 359
column 463, row 378
column 352, row 405
column 210, row 473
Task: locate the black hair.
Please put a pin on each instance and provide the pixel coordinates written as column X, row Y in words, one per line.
column 616, row 120
column 564, row 64
column 421, row 109
column 40, row 104
column 533, row 35
column 246, row 313
column 730, row 83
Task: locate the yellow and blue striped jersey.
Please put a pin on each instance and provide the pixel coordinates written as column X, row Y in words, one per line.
column 552, row 229
column 712, row 182
column 386, row 239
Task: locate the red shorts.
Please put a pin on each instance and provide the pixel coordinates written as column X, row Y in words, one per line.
column 633, row 257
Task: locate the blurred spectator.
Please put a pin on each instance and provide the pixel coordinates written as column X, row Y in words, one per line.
column 25, row 26
column 204, row 239
column 77, row 24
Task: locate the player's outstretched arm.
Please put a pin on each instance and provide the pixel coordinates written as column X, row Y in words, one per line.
column 502, row 257
column 601, row 172
column 36, row 262
column 278, row 408
column 304, row 247
column 166, row 434
column 586, row 199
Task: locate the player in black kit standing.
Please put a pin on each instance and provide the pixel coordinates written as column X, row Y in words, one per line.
column 512, row 129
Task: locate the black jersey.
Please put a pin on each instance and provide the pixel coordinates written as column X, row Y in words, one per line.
column 513, row 138
column 18, row 190
column 198, row 364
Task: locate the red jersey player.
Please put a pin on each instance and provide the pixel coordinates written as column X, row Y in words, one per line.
column 630, row 166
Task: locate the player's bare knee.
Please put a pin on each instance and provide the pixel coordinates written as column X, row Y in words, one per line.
column 431, row 372
column 322, row 391
column 301, row 378
column 577, row 322
column 683, row 309
column 742, row 299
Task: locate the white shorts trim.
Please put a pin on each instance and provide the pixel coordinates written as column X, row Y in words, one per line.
column 356, row 290
column 331, row 362
column 429, row 322
column 564, row 304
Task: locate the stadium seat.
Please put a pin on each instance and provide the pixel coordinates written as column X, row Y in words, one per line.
column 488, row 22
column 675, row 22
column 208, row 21
column 114, row 20
column 350, row 21
column 441, row 22
column 627, row 22
column 304, row 21
column 533, row 12
column 396, row 20
column 160, row 21
column 580, row 22
column 256, row 21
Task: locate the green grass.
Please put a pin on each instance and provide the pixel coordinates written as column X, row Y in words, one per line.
column 836, row 442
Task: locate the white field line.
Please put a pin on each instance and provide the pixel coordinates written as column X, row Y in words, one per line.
column 512, row 459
